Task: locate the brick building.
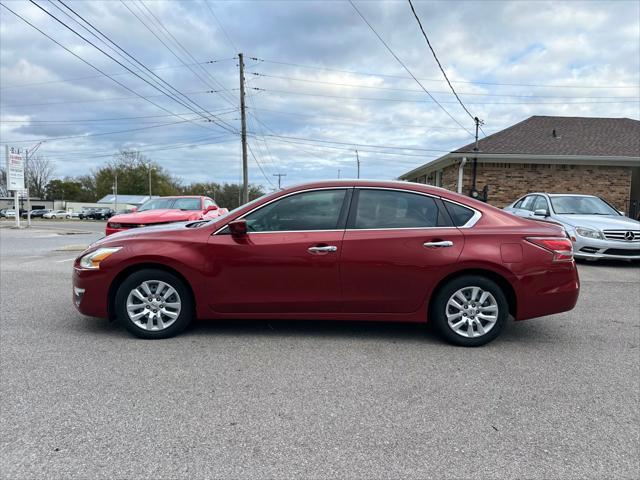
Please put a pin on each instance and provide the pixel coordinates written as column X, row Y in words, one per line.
column 599, row 156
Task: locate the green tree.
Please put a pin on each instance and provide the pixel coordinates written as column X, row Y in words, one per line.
column 133, row 170
column 226, row 195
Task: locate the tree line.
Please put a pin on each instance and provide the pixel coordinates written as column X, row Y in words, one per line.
column 133, row 172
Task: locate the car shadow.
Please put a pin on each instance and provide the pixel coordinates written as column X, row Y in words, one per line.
column 529, row 333
column 633, row 264
column 316, row 328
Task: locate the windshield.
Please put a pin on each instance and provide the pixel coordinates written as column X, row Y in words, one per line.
column 169, row 203
column 569, row 205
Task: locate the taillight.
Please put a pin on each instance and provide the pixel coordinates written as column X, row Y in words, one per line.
column 562, row 248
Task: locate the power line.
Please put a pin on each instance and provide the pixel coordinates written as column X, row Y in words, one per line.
column 53, row 139
column 219, row 123
column 374, row 87
column 206, row 2
column 405, row 67
column 113, row 119
column 424, row 34
column 407, row 100
column 356, row 144
column 97, row 100
column 371, row 74
column 108, row 43
column 87, row 77
column 347, row 122
column 93, row 66
column 159, row 23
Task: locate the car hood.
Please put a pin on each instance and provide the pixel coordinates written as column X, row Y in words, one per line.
column 156, row 216
column 599, row 222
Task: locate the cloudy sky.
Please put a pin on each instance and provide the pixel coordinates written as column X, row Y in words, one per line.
column 320, row 84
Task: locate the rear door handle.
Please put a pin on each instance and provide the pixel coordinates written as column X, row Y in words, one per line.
column 323, row 249
column 441, row 244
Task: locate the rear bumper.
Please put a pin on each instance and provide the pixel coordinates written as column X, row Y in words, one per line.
column 555, row 290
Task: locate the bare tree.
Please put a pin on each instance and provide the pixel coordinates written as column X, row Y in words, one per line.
column 39, row 173
column 3, row 183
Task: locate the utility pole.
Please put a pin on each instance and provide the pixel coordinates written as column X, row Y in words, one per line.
column 474, row 189
column 243, row 119
column 358, row 163
column 115, row 191
column 279, row 175
column 150, row 168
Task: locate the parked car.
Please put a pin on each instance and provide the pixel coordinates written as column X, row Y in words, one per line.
column 3, row 212
column 345, row 250
column 10, row 213
column 37, row 213
column 596, row 229
column 166, row 210
column 57, row 214
column 101, row 213
column 85, row 212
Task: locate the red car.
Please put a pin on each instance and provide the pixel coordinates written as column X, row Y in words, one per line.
column 346, row 250
column 166, row 210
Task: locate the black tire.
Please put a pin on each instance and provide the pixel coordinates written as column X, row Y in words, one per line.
column 137, row 278
column 438, row 310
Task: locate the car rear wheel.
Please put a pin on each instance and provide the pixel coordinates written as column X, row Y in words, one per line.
column 470, row 310
column 154, row 304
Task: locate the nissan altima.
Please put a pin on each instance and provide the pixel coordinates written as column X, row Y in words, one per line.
column 340, row 250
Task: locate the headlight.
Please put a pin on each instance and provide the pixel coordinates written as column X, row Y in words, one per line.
column 92, row 260
column 589, row 233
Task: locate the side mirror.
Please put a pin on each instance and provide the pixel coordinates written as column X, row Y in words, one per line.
column 238, row 228
column 621, row 212
column 210, row 208
column 134, row 209
column 541, row 212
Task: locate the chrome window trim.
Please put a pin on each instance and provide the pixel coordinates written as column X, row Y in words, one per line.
column 470, row 223
column 280, row 198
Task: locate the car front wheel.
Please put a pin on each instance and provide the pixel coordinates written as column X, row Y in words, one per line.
column 470, row 311
column 154, row 304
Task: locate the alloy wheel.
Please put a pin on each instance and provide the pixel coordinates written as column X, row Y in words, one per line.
column 153, row 305
column 472, row 312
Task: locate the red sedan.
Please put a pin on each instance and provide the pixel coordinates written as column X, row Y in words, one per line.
column 163, row 210
column 347, row 250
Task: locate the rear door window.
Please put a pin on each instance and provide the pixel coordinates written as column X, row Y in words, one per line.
column 392, row 209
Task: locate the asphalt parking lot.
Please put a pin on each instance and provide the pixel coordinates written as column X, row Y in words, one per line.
column 555, row 397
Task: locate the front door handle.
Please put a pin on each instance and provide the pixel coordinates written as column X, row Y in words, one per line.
column 323, row 249
column 440, row 244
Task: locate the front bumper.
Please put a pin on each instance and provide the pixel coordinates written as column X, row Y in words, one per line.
column 91, row 291
column 593, row 249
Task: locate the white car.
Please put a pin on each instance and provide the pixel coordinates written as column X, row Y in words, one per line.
column 10, row 213
column 57, row 214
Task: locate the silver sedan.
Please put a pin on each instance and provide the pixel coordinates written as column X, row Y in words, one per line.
column 597, row 230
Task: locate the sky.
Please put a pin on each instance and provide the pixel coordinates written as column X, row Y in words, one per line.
column 320, row 84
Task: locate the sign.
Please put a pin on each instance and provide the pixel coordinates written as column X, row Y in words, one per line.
column 15, row 171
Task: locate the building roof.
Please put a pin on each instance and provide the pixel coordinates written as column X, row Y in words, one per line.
column 542, row 135
column 128, row 199
column 577, row 140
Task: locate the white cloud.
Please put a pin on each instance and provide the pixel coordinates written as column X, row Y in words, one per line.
column 573, row 44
